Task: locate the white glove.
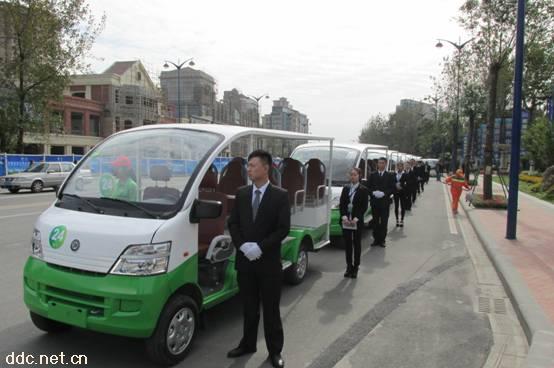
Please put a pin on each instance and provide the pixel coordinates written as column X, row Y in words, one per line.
column 344, row 218
column 378, row 194
column 251, row 250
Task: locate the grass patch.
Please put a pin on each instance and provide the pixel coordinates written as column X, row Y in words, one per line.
column 529, row 188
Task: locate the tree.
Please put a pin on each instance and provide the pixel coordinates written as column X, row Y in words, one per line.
column 376, row 131
column 473, row 105
column 538, row 75
column 47, row 40
column 493, row 24
column 538, row 140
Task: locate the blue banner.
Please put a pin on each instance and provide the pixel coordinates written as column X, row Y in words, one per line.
column 19, row 163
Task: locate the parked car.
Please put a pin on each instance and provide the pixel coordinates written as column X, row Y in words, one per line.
column 37, row 177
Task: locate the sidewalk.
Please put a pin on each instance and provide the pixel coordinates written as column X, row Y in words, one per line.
column 526, row 266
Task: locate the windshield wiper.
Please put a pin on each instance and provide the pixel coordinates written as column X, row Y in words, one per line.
column 89, row 203
column 153, row 215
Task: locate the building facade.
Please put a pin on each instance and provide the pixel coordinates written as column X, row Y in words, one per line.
column 95, row 106
column 284, row 117
column 197, row 93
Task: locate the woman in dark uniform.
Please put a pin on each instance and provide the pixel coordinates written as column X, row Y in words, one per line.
column 354, row 201
column 401, row 195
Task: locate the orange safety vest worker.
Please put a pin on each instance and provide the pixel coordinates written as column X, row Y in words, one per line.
column 457, row 184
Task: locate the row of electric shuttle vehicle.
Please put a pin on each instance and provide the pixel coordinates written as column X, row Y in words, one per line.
column 136, row 243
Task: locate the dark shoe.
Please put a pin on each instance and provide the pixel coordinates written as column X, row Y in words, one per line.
column 240, row 351
column 397, row 223
column 354, row 273
column 374, row 244
column 348, row 272
column 402, row 223
column 277, row 360
column 383, row 245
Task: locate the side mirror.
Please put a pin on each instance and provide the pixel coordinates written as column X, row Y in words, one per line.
column 203, row 209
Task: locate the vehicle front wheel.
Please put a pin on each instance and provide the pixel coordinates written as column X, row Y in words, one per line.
column 14, row 190
column 37, row 186
column 47, row 324
column 296, row 273
column 175, row 332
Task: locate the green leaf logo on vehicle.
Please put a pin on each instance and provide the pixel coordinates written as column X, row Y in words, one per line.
column 57, row 236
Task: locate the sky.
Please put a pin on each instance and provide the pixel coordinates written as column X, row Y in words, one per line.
column 338, row 62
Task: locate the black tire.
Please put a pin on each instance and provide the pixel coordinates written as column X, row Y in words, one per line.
column 14, row 190
column 157, row 346
column 48, row 325
column 37, row 186
column 296, row 273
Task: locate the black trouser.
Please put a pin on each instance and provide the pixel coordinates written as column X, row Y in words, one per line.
column 380, row 221
column 352, row 240
column 255, row 287
column 414, row 194
column 421, row 182
column 400, row 199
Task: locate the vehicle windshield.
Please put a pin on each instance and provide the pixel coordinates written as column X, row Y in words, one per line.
column 141, row 172
column 37, row 168
column 343, row 160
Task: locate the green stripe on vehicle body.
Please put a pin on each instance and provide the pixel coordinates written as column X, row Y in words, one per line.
column 114, row 304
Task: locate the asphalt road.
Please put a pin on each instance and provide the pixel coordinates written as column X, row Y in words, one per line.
column 411, row 306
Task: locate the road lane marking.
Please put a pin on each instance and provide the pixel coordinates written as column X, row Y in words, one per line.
column 26, row 205
column 12, row 245
column 451, row 222
column 7, row 196
column 20, row 215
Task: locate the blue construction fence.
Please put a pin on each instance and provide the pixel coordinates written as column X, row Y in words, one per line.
column 13, row 163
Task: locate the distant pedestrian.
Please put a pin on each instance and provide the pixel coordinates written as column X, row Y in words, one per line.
column 457, row 184
column 31, row 164
column 354, row 201
column 438, row 170
column 427, row 172
column 412, row 184
column 401, row 195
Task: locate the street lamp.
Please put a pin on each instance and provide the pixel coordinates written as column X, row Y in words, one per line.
column 459, row 47
column 178, row 66
column 258, row 105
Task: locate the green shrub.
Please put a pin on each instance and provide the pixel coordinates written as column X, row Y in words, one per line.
column 497, row 202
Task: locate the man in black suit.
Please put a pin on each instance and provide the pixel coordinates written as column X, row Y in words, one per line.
column 413, row 173
column 259, row 221
column 411, row 190
column 381, row 187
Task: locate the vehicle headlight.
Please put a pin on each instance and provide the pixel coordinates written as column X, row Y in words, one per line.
column 143, row 259
column 36, row 245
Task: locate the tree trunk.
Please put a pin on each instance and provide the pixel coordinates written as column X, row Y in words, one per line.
column 469, row 151
column 19, row 148
column 494, row 70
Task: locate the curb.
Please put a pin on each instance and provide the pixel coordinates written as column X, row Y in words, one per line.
column 537, row 327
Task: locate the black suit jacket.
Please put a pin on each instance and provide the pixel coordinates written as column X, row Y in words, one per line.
column 360, row 202
column 272, row 225
column 420, row 172
column 403, row 182
column 384, row 184
column 412, row 180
